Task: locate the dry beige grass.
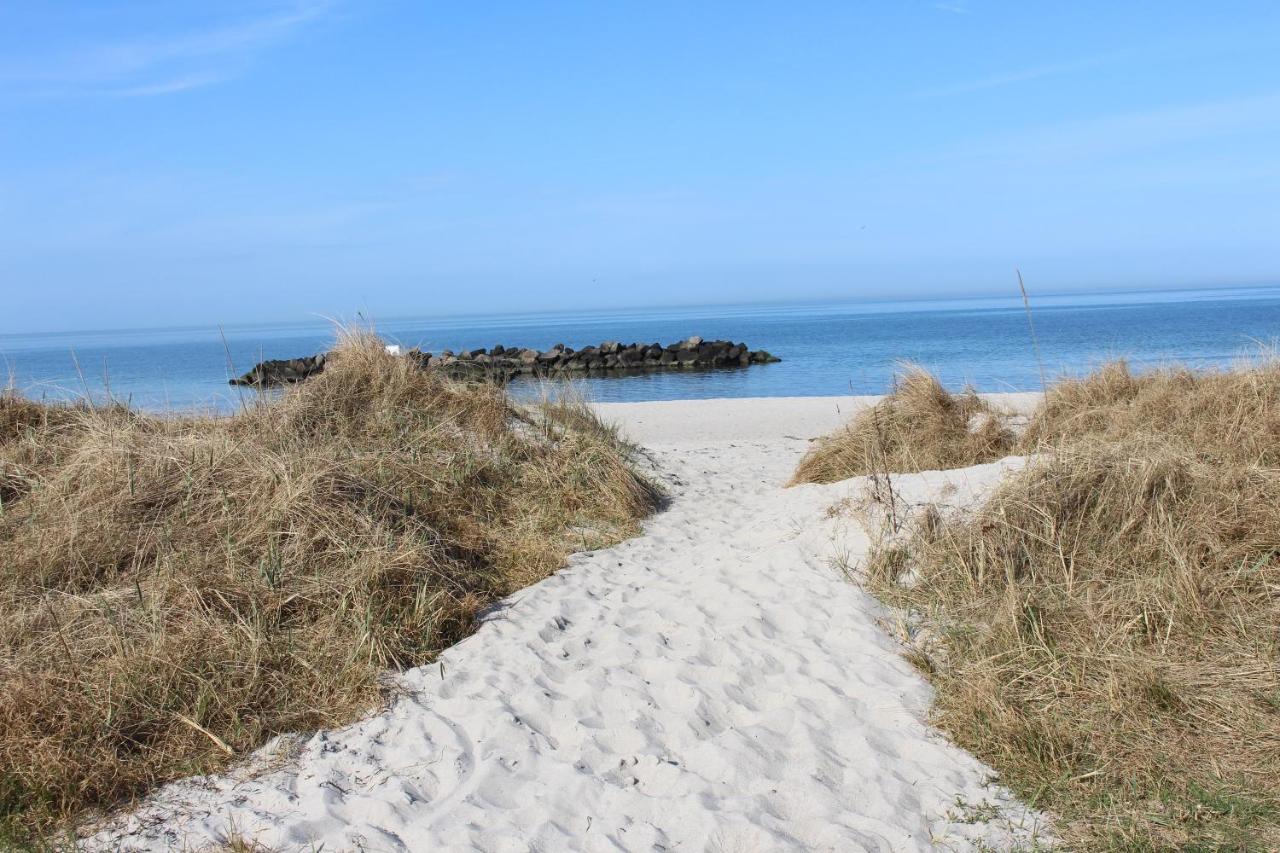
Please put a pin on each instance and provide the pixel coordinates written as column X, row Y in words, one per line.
column 919, row 426
column 177, row 590
column 1228, row 414
column 1104, row 630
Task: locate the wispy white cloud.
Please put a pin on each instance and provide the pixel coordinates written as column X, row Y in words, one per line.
column 1135, row 133
column 1020, row 75
column 1170, row 52
column 159, row 65
column 955, row 7
column 168, row 86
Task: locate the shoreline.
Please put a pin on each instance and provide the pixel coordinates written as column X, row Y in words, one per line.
column 723, row 419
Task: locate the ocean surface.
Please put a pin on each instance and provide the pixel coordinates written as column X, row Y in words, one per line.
column 826, row 348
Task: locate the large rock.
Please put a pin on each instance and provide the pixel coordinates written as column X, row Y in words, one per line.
column 281, row 371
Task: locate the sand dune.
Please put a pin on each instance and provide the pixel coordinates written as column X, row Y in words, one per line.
column 715, row 684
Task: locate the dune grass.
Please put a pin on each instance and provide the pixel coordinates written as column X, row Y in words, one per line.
column 176, row 590
column 1232, row 415
column 1103, row 630
column 918, row 426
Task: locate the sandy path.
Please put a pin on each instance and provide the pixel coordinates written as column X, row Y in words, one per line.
column 715, row 684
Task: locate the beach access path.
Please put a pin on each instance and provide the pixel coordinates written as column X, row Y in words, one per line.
column 716, row 684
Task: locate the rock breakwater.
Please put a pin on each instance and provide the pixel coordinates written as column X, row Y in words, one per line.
column 502, row 363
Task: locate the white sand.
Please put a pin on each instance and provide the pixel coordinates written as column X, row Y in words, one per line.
column 715, row 684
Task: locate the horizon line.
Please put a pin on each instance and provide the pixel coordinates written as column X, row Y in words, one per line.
column 462, row 315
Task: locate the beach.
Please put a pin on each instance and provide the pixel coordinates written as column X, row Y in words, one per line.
column 719, row 682
column 639, row 427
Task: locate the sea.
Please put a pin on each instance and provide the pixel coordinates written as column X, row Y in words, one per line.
column 827, row 348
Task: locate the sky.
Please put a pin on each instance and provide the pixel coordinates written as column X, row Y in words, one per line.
column 169, row 162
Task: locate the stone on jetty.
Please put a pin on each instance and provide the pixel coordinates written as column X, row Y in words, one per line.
column 282, row 371
column 503, row 363
column 610, row 357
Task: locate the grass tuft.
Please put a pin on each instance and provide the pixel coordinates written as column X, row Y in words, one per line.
column 919, row 426
column 1232, row 415
column 177, row 590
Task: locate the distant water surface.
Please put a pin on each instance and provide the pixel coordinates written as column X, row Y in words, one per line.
column 827, row 348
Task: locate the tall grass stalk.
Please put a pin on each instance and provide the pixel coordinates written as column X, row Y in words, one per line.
column 1031, row 326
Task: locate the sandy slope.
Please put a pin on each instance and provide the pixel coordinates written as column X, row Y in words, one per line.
column 715, row 684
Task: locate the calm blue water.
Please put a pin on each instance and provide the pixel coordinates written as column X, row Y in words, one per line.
column 836, row 348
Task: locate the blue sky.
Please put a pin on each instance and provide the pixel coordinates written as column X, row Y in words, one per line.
column 179, row 162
